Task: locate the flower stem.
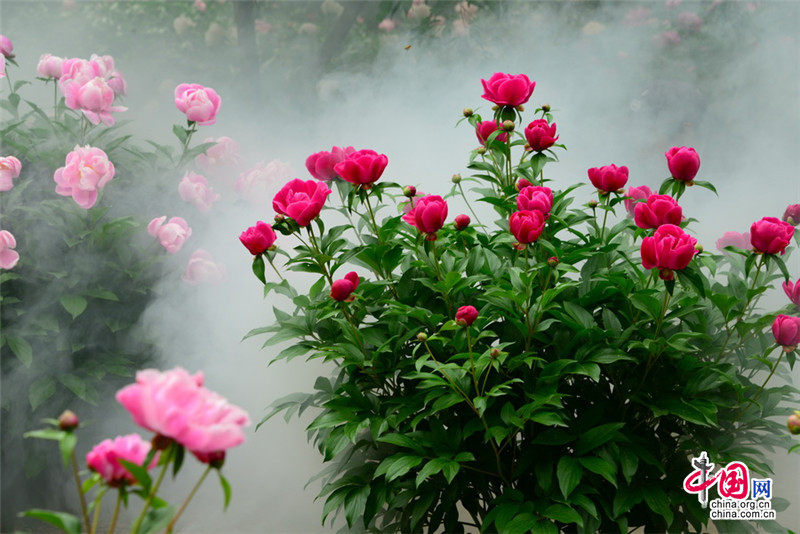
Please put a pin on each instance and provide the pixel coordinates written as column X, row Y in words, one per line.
column 469, row 206
column 744, row 311
column 372, row 217
column 191, row 129
column 772, row 372
column 349, row 216
column 322, row 265
column 186, row 502
column 605, row 217
column 116, row 513
column 84, row 510
column 153, row 490
column 269, row 259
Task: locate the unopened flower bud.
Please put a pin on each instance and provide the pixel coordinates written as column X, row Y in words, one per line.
column 793, row 423
column 546, row 108
column 495, row 353
column 523, row 183
column 592, row 204
column 552, row 261
column 520, row 108
column 409, row 191
column 481, row 150
column 279, row 217
column 68, row 420
column 467, row 112
column 422, row 336
column 462, row 221
column 457, row 177
column 508, row 126
column 698, row 247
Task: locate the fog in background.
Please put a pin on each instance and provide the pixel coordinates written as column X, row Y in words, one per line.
column 619, row 95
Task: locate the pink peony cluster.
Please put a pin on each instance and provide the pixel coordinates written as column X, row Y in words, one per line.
column 657, row 210
column 174, row 404
column 171, row 234
column 428, row 215
column 668, row 249
column 104, row 458
column 320, row 165
column 342, row 289
column 199, row 103
column 202, row 269
column 194, row 189
column 91, row 86
column 86, row 171
column 8, row 256
column 10, row 167
column 301, row 200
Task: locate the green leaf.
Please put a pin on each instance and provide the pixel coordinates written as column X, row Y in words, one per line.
column 600, row 466
column 139, row 473
column 431, row 468
column 580, row 315
column 226, row 489
column 658, row 501
column 180, row 132
column 564, row 514
column 596, row 436
column 397, row 465
column 258, row 268
column 568, row 472
column 21, row 349
column 177, row 461
column 156, row 519
column 521, row 524
column 45, row 433
column 66, row 445
column 355, row 503
column 74, row 304
column 625, row 499
column 66, row 522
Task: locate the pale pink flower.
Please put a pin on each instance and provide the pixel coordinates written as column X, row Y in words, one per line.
column 200, row 104
column 199, row 5
column 86, row 171
column 171, row 235
column 6, row 46
column 202, row 269
column 460, row 28
column 466, row 10
column 114, row 77
column 733, row 239
column 195, row 190
column 104, row 458
column 175, row 404
column 49, row 66
column 78, row 71
column 792, row 290
column 8, row 256
column 94, row 99
column 259, row 184
column 10, row 167
column 223, row 155
column 419, row 11
column 386, row 25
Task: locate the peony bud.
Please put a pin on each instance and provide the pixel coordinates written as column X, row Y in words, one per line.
column 466, row 315
column 546, row 108
column 592, row 204
column 462, row 221
column 410, row 191
column 792, row 214
column 495, row 353
column 468, row 112
column 456, row 178
column 342, row 289
column 422, row 337
column 552, row 261
column 481, row 150
column 508, row 126
column 786, row 330
column 68, row 421
column 793, row 423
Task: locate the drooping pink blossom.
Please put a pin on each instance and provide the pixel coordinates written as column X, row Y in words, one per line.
column 202, row 269
column 199, row 103
column 8, row 256
column 104, row 458
column 172, row 235
column 86, row 171
column 10, row 167
column 194, row 189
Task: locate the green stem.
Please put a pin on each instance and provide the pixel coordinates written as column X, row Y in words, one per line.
column 605, row 216
column 153, row 490
column 469, row 206
column 8, row 78
column 116, row 513
column 190, row 130
column 349, row 216
column 55, row 100
column 322, row 265
column 472, row 363
column 84, row 509
column 188, row 499
column 269, row 259
column 372, row 216
column 744, row 311
column 772, row 372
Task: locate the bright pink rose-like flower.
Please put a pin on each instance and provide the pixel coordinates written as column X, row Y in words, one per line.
column 792, row 291
column 104, row 458
column 786, row 330
column 461, row 221
column 733, row 239
column 301, row 200
column 8, row 256
column 200, row 104
column 668, row 249
column 10, row 167
column 792, row 214
column 636, row 194
column 174, row 404
column 541, row 135
column 771, row 235
column 362, row 167
column 466, row 315
column 49, row 66
column 658, row 210
column 428, row 215
column 342, row 289
column 507, row 89
column 202, row 269
column 259, row 238
column 487, row 128
column 224, row 154
column 608, row 178
column 526, row 225
column 321, row 164
column 171, row 235
column 77, row 71
column 6, row 46
column 683, row 163
column 86, row 171
column 259, row 184
column 522, row 183
column 535, row 197
column 194, row 189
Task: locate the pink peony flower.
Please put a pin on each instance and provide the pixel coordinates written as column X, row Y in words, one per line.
column 658, row 210
column 49, row 66
column 86, row 171
column 487, row 128
column 321, row 164
column 466, row 10
column 668, row 249
column 771, row 235
column 386, row 25
column 10, row 167
column 174, row 404
column 342, row 289
column 199, row 5
column 428, row 215
column 94, row 99
column 689, row 21
column 792, row 291
column 507, row 89
column 202, row 269
column 224, row 154
column 608, row 178
column 78, row 71
column 541, row 135
column 792, row 214
column 6, row 46
column 258, row 185
column 466, row 315
column 636, row 194
column 526, row 225
column 461, row 221
column 259, row 238
column 786, row 330
column 535, row 197
column 733, row 239
column 683, row 163
column 104, row 458
column 362, row 167
column 200, row 104
column 667, row 39
column 194, row 189
column 301, row 200
column 114, row 77
column 171, row 235
column 8, row 256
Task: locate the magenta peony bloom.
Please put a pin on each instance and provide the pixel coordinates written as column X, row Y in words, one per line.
column 461, row 221
column 733, row 239
column 668, row 249
column 259, row 238
column 786, row 330
column 466, row 315
column 541, row 135
column 202, row 269
column 608, row 178
column 658, row 210
column 526, row 225
column 105, row 456
column 8, row 256
column 49, row 66
column 10, row 167
column 171, row 235
column 174, row 404
column 792, row 291
column 86, row 171
column 507, row 89
column 792, row 214
column 487, row 128
column 200, row 104
column 535, row 197
column 225, row 153
column 342, row 289
column 362, row 167
column 771, row 235
column 6, row 46
column 428, row 215
column 321, row 164
column 194, row 189
column 683, row 163
column 636, row 194
column 301, row 200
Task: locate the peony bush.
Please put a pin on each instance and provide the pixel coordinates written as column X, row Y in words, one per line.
column 551, row 370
